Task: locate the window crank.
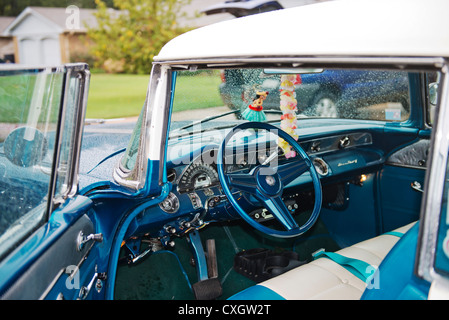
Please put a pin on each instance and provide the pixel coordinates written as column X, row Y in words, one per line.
column 96, row 281
column 84, row 291
column 82, row 239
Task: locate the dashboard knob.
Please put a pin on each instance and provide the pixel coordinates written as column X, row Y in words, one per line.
column 167, row 242
column 185, row 224
column 315, row 147
column 170, row 230
column 344, row 142
column 171, row 244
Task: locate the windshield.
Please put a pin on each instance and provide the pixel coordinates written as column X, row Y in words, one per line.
column 41, row 112
column 29, row 112
column 211, row 99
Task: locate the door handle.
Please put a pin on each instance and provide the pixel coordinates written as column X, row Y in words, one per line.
column 417, row 186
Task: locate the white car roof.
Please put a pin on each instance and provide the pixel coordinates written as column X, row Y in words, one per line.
column 397, row 28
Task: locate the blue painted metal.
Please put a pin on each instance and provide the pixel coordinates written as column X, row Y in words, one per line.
column 416, row 118
column 359, row 215
column 441, row 254
column 395, row 186
column 196, row 246
column 25, row 255
column 116, row 239
column 150, row 195
column 106, row 158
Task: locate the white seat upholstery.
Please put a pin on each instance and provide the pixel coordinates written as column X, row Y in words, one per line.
column 325, row 279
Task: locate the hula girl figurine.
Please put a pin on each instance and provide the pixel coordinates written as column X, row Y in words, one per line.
column 254, row 112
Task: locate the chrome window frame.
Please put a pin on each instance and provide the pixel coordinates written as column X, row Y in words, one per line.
column 433, row 193
column 82, row 73
column 151, row 144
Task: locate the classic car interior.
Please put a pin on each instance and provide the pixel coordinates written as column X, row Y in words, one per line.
column 252, row 201
column 249, row 202
column 305, row 167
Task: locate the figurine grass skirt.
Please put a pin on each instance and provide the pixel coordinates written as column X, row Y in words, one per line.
column 253, row 115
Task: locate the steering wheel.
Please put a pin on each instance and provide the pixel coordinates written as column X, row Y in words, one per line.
column 266, row 183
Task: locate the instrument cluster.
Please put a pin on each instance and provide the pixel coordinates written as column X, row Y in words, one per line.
column 198, row 182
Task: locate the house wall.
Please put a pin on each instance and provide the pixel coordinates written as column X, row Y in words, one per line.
column 75, row 47
column 37, row 42
column 6, row 46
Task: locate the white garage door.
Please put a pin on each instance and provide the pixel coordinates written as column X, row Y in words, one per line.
column 40, row 51
column 29, row 51
column 51, row 51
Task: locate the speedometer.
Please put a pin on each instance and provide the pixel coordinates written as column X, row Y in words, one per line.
column 198, row 176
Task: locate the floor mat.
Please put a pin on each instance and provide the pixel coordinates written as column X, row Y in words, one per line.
column 169, row 275
column 158, row 277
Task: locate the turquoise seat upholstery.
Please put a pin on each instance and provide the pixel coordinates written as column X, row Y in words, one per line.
column 326, row 279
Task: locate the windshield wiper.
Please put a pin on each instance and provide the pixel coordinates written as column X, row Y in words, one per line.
column 220, row 116
column 215, row 128
column 208, row 119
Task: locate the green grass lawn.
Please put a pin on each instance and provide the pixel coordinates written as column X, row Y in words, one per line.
column 16, row 97
column 113, row 95
column 195, row 92
column 119, row 95
column 116, row 95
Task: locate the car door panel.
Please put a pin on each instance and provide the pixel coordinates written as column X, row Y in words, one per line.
column 54, row 251
column 39, row 183
column 400, row 204
column 401, row 184
column 385, row 199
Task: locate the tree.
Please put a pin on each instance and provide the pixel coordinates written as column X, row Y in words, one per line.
column 126, row 40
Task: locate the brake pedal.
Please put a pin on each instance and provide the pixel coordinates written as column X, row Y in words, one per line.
column 209, row 289
column 208, row 286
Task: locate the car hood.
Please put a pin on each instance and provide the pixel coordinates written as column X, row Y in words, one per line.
column 102, row 146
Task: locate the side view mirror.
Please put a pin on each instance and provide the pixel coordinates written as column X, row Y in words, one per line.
column 433, row 93
column 25, row 146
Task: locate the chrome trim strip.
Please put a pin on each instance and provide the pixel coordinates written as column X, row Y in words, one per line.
column 84, row 76
column 55, row 201
column 151, row 146
column 298, row 61
column 82, row 72
column 434, row 185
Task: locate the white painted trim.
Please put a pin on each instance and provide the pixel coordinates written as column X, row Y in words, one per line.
column 398, row 28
